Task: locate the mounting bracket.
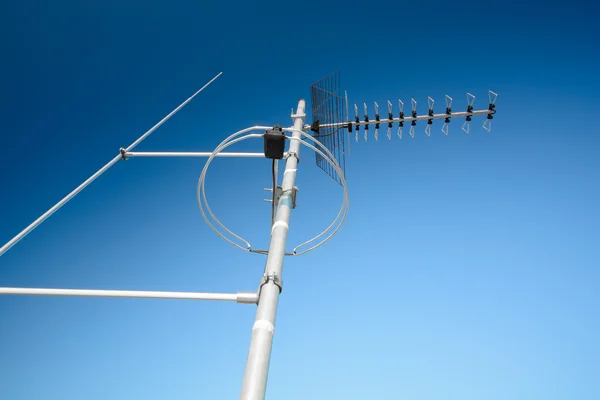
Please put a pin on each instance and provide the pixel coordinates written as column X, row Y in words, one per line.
column 279, row 192
column 266, row 278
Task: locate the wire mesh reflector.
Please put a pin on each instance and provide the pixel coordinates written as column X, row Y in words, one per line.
column 328, row 107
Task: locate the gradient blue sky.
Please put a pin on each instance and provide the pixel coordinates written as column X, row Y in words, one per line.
column 467, row 269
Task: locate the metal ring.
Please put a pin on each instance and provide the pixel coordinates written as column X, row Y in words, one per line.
column 228, row 142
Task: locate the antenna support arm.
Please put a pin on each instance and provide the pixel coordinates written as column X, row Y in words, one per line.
column 241, row 297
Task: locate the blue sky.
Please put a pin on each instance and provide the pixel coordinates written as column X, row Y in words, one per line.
column 467, row 269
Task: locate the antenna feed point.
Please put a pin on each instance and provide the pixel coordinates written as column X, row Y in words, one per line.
column 274, row 143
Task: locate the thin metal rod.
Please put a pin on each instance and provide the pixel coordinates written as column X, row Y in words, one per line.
column 57, row 206
column 259, row 355
column 193, row 154
column 417, row 118
column 162, row 121
column 126, row 293
column 92, row 178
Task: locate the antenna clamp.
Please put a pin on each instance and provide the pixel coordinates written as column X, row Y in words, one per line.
column 293, row 153
column 266, row 278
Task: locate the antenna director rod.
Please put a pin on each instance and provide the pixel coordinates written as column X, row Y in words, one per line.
column 257, row 365
column 243, row 297
column 92, row 178
column 409, row 119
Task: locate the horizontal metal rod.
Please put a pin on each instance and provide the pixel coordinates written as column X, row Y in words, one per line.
column 242, row 297
column 409, row 118
column 192, row 154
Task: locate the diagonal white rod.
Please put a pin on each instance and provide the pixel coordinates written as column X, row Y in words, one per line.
column 239, row 297
column 194, row 154
column 92, row 178
column 162, row 121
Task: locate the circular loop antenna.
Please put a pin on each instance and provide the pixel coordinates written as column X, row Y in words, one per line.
column 201, row 193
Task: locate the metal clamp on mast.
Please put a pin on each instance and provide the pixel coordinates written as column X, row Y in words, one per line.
column 277, row 281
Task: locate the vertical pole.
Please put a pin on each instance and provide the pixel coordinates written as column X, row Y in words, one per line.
column 257, row 365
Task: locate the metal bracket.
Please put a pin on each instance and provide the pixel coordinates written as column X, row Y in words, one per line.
column 293, row 115
column 294, row 194
column 279, row 192
column 293, row 153
column 123, row 151
column 266, row 278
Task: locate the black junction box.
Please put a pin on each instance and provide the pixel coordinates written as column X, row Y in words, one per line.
column 274, row 143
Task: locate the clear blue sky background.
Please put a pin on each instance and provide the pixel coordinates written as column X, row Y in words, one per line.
column 468, row 267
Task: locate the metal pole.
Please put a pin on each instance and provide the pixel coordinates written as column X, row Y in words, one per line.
column 257, row 365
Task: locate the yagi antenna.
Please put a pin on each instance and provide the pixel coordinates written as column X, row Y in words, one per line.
column 429, row 118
